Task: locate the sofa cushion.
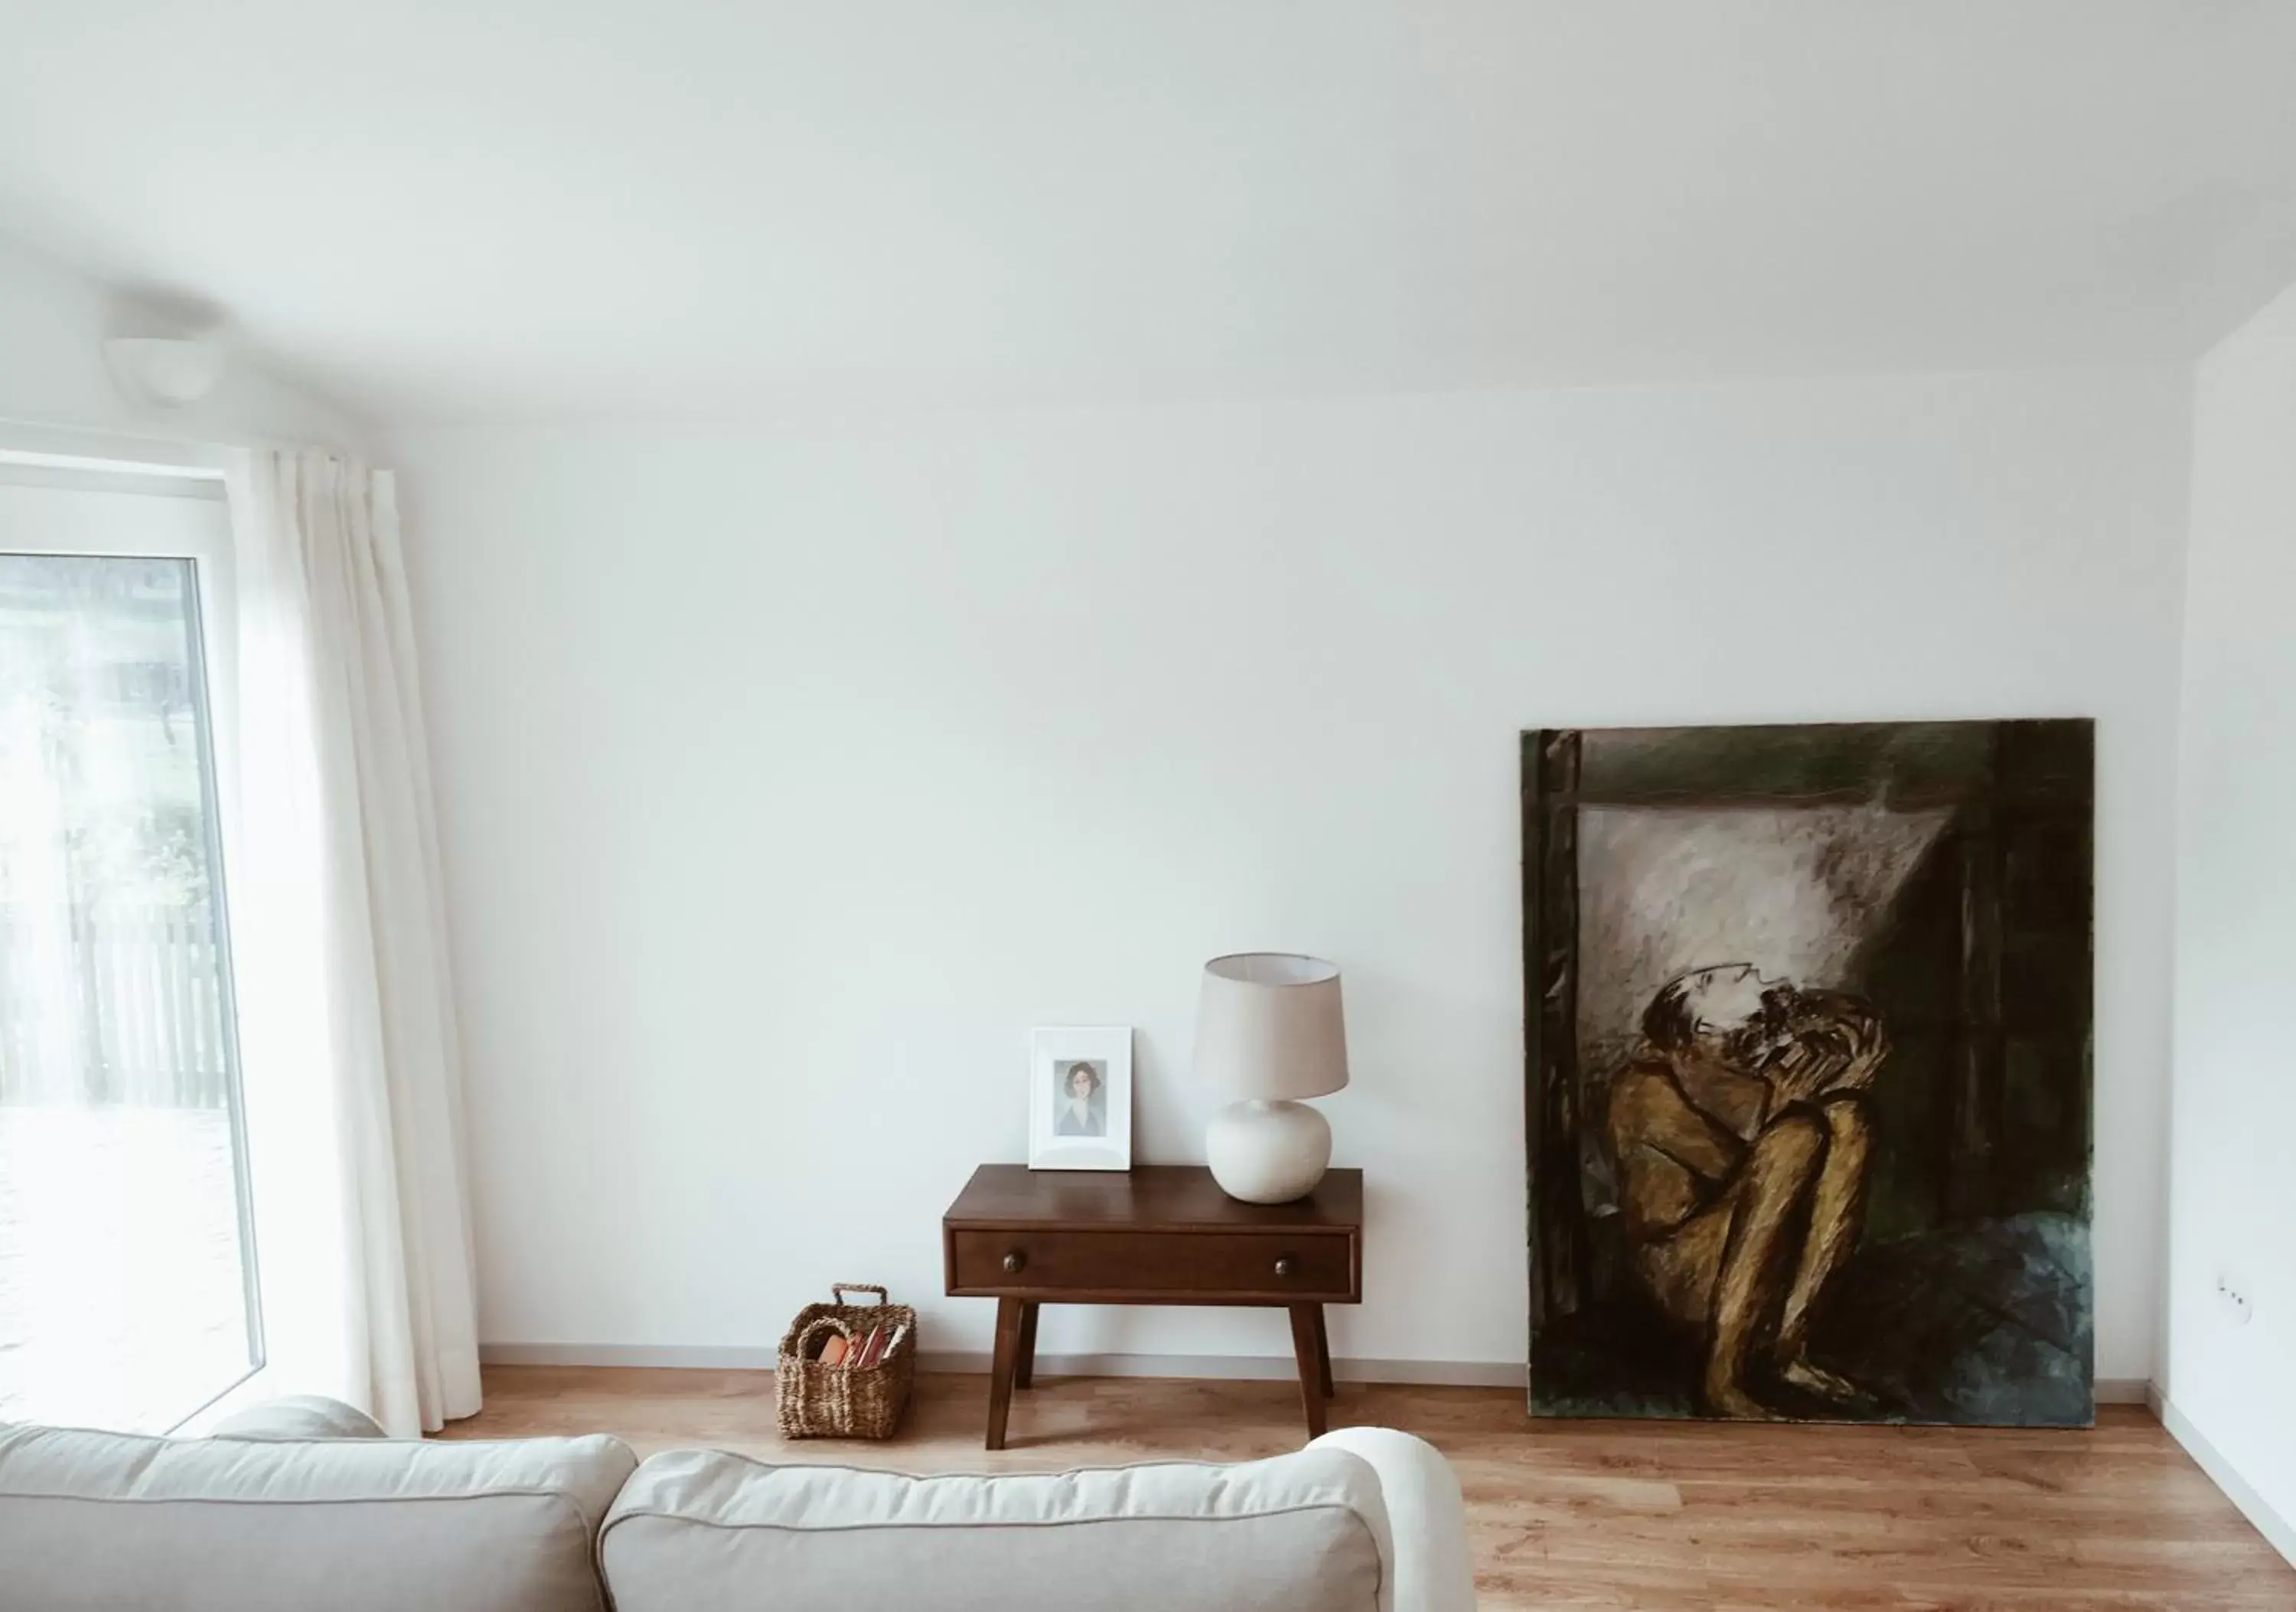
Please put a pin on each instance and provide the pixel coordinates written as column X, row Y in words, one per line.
column 90, row 1520
column 299, row 1416
column 701, row 1531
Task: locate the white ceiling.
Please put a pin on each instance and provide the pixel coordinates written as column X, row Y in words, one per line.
column 471, row 209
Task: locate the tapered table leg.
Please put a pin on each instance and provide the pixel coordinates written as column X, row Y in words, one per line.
column 1322, row 1351
column 1001, row 1367
column 1024, row 1371
column 1307, row 1324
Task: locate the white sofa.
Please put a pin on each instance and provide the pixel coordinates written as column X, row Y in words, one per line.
column 302, row 1505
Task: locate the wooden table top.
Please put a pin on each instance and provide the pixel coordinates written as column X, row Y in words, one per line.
column 1147, row 1197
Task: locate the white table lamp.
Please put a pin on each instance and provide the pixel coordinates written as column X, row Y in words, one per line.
column 1269, row 1032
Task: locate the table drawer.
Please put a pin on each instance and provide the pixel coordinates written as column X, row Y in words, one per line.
column 1270, row 1266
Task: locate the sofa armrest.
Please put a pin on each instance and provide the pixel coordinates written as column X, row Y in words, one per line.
column 1432, row 1569
column 297, row 1417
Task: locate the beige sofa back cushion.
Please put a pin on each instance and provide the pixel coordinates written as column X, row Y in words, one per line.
column 104, row 1520
column 700, row 1531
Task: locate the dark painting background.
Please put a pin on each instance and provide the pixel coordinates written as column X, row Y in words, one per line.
column 1943, row 871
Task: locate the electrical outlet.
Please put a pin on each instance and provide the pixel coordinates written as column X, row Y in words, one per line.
column 2232, row 1293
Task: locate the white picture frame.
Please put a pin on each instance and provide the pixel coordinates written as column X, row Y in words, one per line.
column 1080, row 1097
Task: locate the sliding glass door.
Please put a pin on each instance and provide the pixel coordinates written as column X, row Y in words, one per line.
column 128, row 1294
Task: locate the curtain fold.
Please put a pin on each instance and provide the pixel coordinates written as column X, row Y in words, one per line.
column 348, row 1047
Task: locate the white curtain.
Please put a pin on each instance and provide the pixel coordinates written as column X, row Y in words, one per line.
column 347, row 1039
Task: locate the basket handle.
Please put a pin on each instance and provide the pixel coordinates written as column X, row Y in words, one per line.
column 838, row 1290
column 813, row 1329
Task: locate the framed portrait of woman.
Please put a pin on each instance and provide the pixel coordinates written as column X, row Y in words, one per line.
column 1080, row 1097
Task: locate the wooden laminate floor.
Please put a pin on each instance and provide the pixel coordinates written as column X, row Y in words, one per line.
column 1581, row 1514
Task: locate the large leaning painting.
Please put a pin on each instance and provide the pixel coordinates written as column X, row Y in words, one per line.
column 1808, row 1078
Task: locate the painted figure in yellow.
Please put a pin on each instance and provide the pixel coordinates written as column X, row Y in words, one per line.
column 1743, row 1138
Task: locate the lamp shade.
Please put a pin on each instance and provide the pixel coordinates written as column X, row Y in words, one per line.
column 1269, row 1025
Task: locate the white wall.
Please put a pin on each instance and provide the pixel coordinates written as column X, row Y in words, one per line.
column 52, row 324
column 788, row 776
column 2232, row 1205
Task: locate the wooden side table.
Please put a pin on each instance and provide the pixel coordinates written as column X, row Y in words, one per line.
column 1160, row 1234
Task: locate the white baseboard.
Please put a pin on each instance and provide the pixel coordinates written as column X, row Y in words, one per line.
column 1244, row 1367
column 2275, row 1527
column 1250, row 1368
column 672, row 1357
column 1229, row 1368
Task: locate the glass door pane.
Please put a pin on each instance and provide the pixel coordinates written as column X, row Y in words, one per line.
column 126, row 1291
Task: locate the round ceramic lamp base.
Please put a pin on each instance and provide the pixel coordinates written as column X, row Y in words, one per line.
column 1267, row 1153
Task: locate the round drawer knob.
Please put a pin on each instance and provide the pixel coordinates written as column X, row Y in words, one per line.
column 1285, row 1266
column 1014, row 1261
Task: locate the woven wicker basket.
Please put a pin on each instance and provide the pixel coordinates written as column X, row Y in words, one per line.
column 846, row 1402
